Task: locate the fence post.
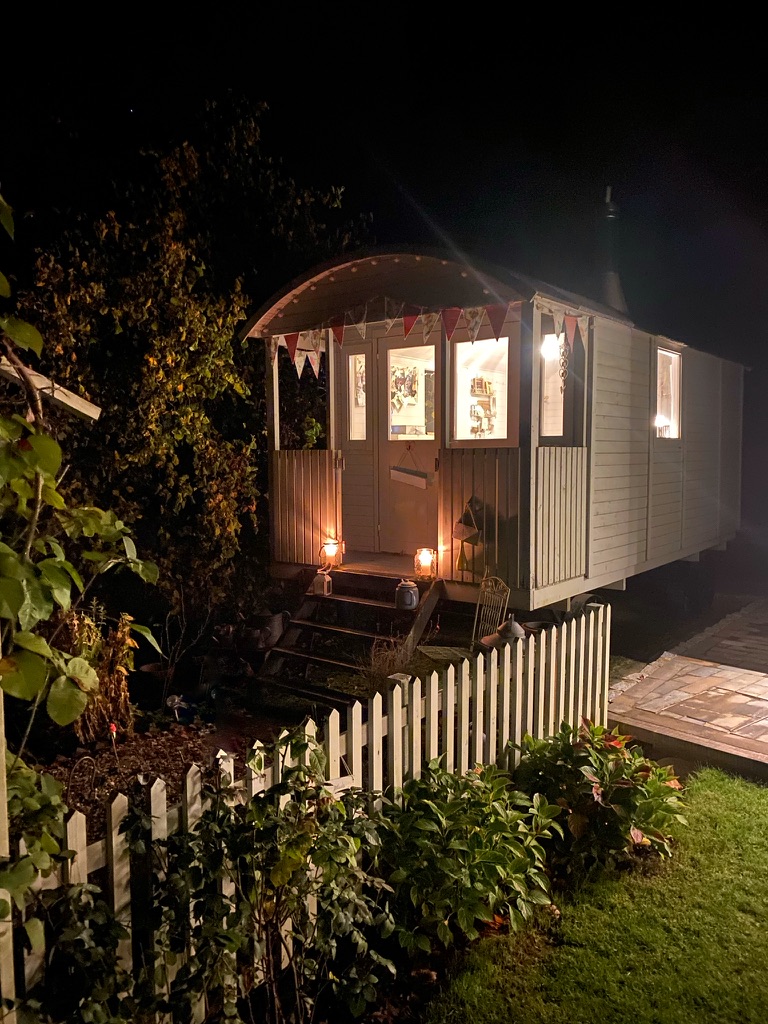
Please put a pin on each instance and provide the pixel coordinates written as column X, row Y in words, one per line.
column 463, row 724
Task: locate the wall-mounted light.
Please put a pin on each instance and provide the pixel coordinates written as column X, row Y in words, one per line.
column 425, row 563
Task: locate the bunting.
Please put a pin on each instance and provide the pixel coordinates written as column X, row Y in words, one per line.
column 316, row 339
column 314, row 362
column 338, row 333
column 496, row 316
column 409, row 320
column 299, row 361
column 430, row 321
column 474, row 316
column 583, row 322
column 358, row 318
column 558, row 316
column 450, row 320
column 392, row 312
column 570, row 330
column 291, row 341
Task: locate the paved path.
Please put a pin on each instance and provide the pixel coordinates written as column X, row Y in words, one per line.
column 706, row 701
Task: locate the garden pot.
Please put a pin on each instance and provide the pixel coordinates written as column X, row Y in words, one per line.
column 263, row 631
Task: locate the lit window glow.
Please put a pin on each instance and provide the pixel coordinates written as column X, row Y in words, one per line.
column 480, row 373
column 667, row 420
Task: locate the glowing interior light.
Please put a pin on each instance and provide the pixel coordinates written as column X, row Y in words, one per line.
column 331, row 549
column 661, row 421
column 425, row 562
column 550, row 346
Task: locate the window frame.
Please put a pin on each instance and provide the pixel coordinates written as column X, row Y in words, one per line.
column 676, row 401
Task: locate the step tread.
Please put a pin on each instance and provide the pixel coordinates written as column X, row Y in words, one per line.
column 330, row 627
column 308, row 656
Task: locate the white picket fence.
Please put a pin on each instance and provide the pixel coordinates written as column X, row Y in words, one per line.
column 466, row 713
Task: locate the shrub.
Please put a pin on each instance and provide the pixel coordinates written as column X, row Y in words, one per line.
column 617, row 802
column 459, row 849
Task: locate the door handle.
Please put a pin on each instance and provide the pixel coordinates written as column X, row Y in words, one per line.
column 437, row 465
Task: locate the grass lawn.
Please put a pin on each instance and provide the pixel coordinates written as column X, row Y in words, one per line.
column 687, row 944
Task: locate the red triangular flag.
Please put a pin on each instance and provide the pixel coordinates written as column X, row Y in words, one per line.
column 570, row 330
column 450, row 319
column 496, row 316
column 409, row 319
column 338, row 333
column 291, row 341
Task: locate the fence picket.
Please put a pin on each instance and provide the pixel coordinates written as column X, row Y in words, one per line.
column 589, row 664
column 506, row 654
column 375, row 747
column 605, row 677
column 395, row 739
column 463, row 719
column 119, row 872
column 490, row 719
column 414, row 729
column 449, row 718
column 432, row 713
column 7, row 980
column 354, row 744
column 477, row 710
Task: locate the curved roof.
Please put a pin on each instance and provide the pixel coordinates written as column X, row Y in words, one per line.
column 421, row 280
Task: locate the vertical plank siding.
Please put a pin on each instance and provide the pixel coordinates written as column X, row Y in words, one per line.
column 559, row 537
column 306, row 508
column 620, row 450
column 491, row 475
column 466, row 713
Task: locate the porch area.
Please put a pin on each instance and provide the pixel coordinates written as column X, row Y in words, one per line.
column 533, row 538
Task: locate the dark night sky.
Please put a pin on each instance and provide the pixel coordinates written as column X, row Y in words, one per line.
column 460, row 139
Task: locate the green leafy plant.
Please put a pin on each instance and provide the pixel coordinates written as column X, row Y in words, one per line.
column 83, row 978
column 460, row 849
column 616, row 802
column 278, row 895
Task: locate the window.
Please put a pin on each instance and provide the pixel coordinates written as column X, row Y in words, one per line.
column 552, row 385
column 412, row 393
column 480, row 372
column 667, row 420
column 356, row 396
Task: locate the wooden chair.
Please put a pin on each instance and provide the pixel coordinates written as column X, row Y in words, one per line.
column 490, row 609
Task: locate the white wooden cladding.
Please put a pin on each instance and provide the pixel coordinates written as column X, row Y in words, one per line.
column 304, row 486
column 559, row 541
column 467, row 713
column 491, row 475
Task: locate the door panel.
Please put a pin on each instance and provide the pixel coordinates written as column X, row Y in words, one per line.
column 389, row 403
column 407, row 430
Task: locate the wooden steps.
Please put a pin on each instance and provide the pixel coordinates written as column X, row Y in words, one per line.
column 334, row 635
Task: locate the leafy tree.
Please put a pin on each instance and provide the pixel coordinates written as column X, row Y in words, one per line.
column 142, row 308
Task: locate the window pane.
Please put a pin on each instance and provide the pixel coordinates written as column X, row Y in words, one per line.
column 356, row 397
column 667, row 421
column 412, row 393
column 552, row 392
column 480, row 389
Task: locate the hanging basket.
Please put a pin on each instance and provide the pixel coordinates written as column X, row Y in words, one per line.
column 465, row 528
